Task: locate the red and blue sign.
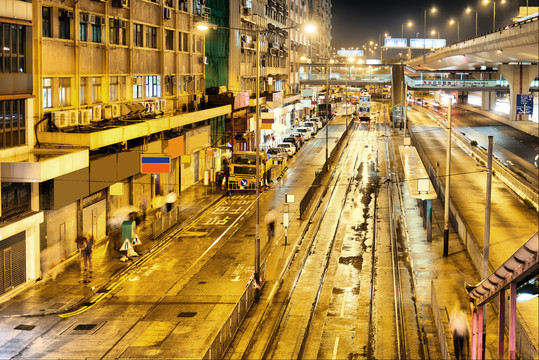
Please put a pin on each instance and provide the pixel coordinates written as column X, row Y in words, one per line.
column 155, row 164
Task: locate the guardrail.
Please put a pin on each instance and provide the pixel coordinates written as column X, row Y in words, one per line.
column 225, row 335
column 165, row 222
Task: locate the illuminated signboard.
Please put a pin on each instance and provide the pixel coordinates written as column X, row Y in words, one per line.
column 395, row 42
column 427, row 43
column 350, row 52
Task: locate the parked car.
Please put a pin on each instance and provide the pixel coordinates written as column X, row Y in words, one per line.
column 305, row 131
column 292, row 140
column 291, row 149
column 318, row 121
column 277, row 154
column 311, row 125
column 299, row 137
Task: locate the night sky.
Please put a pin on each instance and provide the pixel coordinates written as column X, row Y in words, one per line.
column 355, row 22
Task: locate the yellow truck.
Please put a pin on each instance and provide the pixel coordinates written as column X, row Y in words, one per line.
column 243, row 170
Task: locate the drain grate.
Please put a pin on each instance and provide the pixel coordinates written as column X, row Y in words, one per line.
column 25, row 327
column 84, row 327
column 202, row 282
column 187, row 314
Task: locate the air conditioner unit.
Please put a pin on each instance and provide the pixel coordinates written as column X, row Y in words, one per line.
column 119, row 3
column 92, row 18
column 96, row 113
column 60, row 119
column 246, row 11
column 72, row 117
column 149, row 106
column 163, row 105
column 85, row 116
column 100, row 21
column 122, row 23
column 188, row 77
column 115, row 110
column 202, row 60
column 106, row 112
column 167, row 13
column 196, row 98
column 84, row 18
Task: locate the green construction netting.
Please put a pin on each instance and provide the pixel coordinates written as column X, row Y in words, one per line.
column 217, row 44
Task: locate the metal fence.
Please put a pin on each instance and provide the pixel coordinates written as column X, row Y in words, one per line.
column 223, row 339
column 165, row 222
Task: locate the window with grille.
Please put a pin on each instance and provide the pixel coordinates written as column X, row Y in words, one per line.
column 114, row 87
column 137, row 35
column 137, row 87
column 64, row 23
column 96, row 90
column 151, row 37
column 65, row 91
column 12, row 123
column 83, row 33
column 46, row 21
column 12, row 48
column 47, row 93
column 82, row 92
column 96, row 33
column 169, row 39
column 153, row 86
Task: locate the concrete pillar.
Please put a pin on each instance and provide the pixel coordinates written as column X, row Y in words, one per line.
column 462, row 97
column 519, row 78
column 480, row 333
column 474, row 335
column 513, row 321
column 428, row 215
column 398, row 93
column 501, row 324
column 488, row 100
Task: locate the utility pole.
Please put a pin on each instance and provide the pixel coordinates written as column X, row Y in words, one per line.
column 486, row 236
column 447, row 181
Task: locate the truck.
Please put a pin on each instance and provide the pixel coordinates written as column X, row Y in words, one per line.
column 243, row 170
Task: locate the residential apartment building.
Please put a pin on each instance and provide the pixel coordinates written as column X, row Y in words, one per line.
column 94, row 86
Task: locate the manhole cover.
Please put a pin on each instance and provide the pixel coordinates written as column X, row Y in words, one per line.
column 25, row 327
column 84, row 327
column 187, row 314
column 202, row 282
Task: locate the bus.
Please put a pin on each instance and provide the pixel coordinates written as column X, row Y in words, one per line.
column 364, row 107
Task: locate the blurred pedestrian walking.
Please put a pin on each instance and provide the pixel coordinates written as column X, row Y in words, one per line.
column 460, row 329
column 170, row 199
column 86, row 245
column 269, row 220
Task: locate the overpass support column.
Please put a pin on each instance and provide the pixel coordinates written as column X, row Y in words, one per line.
column 462, row 97
column 398, row 93
column 519, row 78
column 488, row 100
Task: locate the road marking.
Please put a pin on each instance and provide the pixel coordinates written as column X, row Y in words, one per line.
column 335, row 348
column 343, row 305
column 237, row 278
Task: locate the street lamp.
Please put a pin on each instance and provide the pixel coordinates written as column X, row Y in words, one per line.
column 469, row 10
column 309, row 28
column 409, row 24
column 433, row 10
column 452, row 22
column 485, row 2
column 433, row 32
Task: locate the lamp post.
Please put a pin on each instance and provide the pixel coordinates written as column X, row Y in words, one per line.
column 409, row 24
column 452, row 22
column 469, row 10
column 433, row 11
column 257, row 32
column 493, row 12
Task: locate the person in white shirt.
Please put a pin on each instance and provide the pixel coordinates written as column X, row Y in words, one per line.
column 460, row 329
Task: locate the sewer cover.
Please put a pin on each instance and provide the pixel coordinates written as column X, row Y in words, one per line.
column 84, row 327
column 187, row 314
column 25, row 327
column 202, row 282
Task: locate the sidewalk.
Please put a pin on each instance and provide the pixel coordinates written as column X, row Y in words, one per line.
column 67, row 289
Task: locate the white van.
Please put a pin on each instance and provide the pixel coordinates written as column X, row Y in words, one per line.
column 311, row 125
column 305, row 131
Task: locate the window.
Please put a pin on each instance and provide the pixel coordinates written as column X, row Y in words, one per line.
column 197, row 44
column 65, row 24
column 117, row 32
column 65, row 91
column 169, row 39
column 82, row 92
column 137, row 35
column 184, row 45
column 137, row 87
column 182, row 5
column 47, row 93
column 15, row 198
column 96, row 33
column 46, row 21
column 83, row 33
column 96, row 90
column 12, row 48
column 114, row 88
column 151, row 37
column 12, row 123
column 153, row 86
